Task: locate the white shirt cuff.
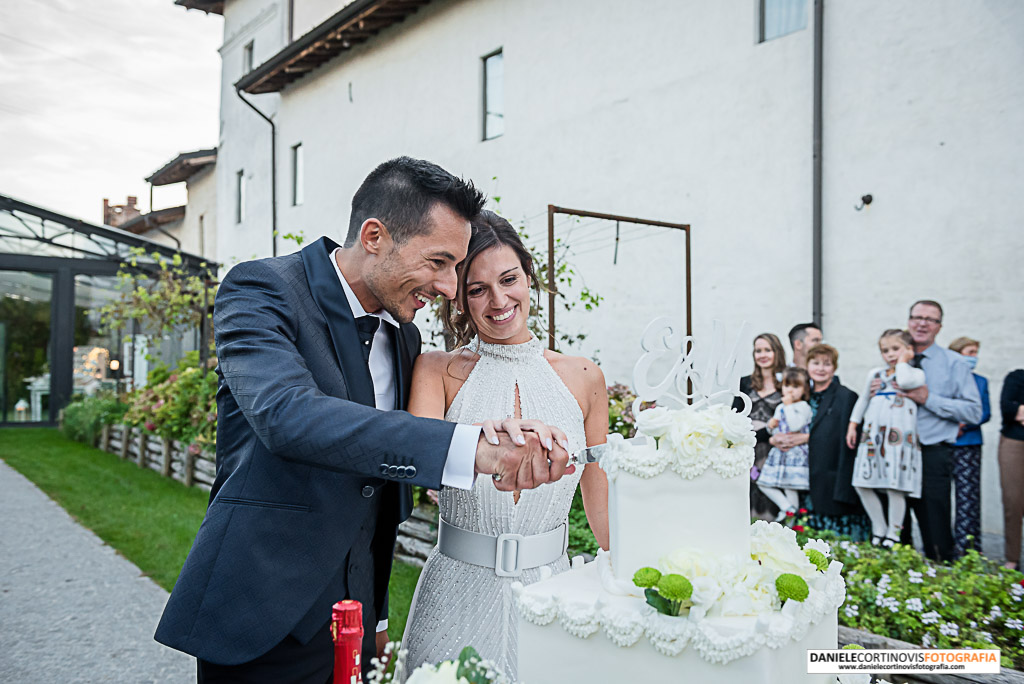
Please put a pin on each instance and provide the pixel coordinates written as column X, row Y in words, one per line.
column 382, row 626
column 460, row 468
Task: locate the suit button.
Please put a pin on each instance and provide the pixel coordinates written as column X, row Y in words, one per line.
column 367, row 492
column 402, row 471
column 410, row 471
column 383, row 469
column 393, row 471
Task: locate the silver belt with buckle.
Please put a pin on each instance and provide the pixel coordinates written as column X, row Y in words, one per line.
column 508, row 554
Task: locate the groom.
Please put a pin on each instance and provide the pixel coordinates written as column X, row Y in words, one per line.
column 314, row 467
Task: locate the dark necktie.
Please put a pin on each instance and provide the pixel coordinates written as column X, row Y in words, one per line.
column 916, row 363
column 367, row 326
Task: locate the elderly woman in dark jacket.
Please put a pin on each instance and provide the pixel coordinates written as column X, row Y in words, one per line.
column 832, row 500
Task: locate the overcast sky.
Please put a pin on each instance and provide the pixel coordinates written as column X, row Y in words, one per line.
column 95, row 95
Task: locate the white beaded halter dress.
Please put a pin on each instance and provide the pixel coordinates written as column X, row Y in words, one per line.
column 457, row 604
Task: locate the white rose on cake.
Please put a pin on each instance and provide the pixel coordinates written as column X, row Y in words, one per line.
column 736, row 429
column 776, row 547
column 655, row 422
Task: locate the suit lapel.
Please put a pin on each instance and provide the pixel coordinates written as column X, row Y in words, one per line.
column 403, row 369
column 330, row 299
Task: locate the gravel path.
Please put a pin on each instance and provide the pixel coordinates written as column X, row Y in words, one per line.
column 71, row 609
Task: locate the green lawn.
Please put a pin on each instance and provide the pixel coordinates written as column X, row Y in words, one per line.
column 151, row 520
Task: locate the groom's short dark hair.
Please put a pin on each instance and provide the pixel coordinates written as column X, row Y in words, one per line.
column 401, row 192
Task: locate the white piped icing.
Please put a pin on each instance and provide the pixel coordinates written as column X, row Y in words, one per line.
column 625, row 617
column 671, row 635
column 689, row 440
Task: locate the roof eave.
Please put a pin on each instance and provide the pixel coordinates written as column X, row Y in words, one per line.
column 354, row 24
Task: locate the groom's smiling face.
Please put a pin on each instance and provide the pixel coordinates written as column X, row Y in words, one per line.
column 406, row 277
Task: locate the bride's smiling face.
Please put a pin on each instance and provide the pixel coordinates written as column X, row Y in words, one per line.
column 497, row 296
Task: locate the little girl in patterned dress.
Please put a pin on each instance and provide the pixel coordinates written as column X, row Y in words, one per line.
column 786, row 473
column 889, row 454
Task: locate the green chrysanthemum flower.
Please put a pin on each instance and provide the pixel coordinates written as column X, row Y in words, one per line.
column 675, row 588
column 791, row 586
column 646, row 577
column 818, row 558
column 853, row 647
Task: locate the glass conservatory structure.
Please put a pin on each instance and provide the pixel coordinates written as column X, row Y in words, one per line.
column 56, row 273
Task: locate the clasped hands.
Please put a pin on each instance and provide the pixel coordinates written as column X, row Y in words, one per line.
column 919, row 395
column 522, row 454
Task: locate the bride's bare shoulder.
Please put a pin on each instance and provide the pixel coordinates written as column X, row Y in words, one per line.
column 455, row 364
column 578, row 372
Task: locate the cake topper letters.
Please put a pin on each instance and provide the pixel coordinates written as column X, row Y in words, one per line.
column 712, row 370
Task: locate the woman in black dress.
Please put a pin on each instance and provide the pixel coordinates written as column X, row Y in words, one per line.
column 762, row 386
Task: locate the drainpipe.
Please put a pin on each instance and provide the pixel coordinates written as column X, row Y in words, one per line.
column 273, row 172
column 150, row 224
column 816, row 251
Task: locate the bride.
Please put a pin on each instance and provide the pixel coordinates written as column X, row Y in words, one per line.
column 499, row 370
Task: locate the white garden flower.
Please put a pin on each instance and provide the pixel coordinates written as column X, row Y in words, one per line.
column 1014, row 623
column 987, row 636
column 930, row 618
column 1016, row 590
column 996, row 612
column 852, row 610
column 974, row 625
column 926, row 641
column 930, row 571
column 915, row 577
column 914, row 604
column 949, row 629
column 1021, row 641
column 445, row 673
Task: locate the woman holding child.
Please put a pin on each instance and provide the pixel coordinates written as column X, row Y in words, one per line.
column 832, row 500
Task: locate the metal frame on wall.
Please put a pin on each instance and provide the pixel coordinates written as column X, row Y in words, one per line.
column 552, row 286
column 98, row 250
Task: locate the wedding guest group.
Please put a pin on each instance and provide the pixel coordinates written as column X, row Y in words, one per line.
column 883, row 460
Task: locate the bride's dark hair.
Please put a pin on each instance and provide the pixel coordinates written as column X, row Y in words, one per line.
column 488, row 230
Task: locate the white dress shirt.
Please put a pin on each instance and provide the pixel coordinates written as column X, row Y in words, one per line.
column 460, row 465
column 459, row 468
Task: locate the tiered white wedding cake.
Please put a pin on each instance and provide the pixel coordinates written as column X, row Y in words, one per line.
column 690, row 589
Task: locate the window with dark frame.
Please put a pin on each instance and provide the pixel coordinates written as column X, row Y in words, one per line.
column 494, row 95
column 297, row 175
column 240, row 196
column 247, row 57
column 778, row 18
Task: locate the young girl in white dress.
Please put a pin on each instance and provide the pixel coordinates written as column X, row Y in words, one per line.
column 889, row 455
column 499, row 370
column 787, row 473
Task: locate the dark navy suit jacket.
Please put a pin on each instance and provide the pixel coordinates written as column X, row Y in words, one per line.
column 301, row 454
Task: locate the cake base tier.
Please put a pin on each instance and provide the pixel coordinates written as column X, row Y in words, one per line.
column 549, row 654
column 652, row 517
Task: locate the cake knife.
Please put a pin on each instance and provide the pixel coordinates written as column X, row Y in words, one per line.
column 594, row 454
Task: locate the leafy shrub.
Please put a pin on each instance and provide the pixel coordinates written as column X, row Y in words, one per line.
column 85, row 417
column 581, row 539
column 178, row 405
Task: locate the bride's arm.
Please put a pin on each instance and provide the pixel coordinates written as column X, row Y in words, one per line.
column 426, row 397
column 593, row 482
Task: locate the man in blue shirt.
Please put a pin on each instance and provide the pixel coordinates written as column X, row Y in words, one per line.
column 949, row 397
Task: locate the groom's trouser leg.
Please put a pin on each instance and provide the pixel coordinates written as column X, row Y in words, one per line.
column 290, row 662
